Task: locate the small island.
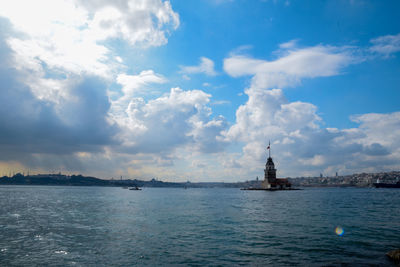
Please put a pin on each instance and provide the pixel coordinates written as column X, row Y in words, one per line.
column 271, row 183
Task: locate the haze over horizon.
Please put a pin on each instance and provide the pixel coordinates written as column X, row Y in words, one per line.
column 194, row 90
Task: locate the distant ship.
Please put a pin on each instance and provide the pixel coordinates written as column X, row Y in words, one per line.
column 134, row 188
column 378, row 184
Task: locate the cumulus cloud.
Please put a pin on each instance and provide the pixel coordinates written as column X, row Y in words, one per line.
column 53, row 43
column 268, row 115
column 295, row 128
column 57, row 108
column 29, row 125
column 386, row 45
column 176, row 119
column 380, row 128
column 66, row 35
column 206, row 66
column 139, row 22
column 56, row 70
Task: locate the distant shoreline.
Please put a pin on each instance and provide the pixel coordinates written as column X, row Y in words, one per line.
column 354, row 180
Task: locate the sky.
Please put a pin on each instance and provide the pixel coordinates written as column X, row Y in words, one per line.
column 195, row 90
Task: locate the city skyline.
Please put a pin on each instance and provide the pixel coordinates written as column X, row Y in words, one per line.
column 180, row 90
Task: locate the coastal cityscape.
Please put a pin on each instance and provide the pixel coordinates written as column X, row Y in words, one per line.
column 354, row 180
column 270, row 181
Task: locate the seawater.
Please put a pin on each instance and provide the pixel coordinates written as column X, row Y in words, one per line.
column 100, row 226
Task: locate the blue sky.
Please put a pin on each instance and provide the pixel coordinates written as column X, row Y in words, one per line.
column 194, row 90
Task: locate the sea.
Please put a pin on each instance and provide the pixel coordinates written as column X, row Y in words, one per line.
column 112, row 226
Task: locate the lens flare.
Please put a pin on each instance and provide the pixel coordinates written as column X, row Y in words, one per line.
column 339, row 231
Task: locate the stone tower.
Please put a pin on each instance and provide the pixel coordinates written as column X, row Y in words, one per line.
column 270, row 181
column 270, row 171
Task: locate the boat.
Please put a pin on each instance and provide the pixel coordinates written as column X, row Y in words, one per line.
column 378, row 184
column 135, row 188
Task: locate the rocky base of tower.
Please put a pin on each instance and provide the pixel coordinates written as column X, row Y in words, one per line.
column 277, row 184
column 270, row 189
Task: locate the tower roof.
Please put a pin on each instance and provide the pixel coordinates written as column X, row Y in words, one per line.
column 270, row 161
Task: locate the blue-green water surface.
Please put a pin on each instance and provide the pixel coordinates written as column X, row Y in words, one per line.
column 100, row 226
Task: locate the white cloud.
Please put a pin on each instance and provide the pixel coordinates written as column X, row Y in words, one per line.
column 289, row 45
column 58, row 44
column 317, row 160
column 301, row 145
column 207, row 134
column 60, row 49
column 59, row 63
column 68, row 36
column 132, row 83
column 289, row 69
column 139, row 22
column 297, row 115
column 386, row 45
column 221, row 102
column 206, row 66
column 174, row 120
column 267, row 115
column 146, row 21
column 132, row 87
column 379, row 128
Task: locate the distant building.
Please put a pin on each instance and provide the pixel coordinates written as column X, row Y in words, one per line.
column 270, row 180
column 58, row 176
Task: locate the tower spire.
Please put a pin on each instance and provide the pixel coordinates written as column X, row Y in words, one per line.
column 269, row 148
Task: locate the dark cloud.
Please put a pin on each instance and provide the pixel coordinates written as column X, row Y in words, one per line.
column 30, row 125
column 376, row 149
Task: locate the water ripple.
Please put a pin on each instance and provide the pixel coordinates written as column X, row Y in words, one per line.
column 85, row 226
